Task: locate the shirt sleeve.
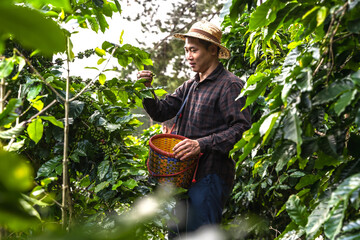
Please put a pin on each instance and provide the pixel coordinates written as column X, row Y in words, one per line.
column 237, row 122
column 163, row 109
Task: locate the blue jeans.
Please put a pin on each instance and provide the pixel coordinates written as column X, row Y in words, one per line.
column 204, row 205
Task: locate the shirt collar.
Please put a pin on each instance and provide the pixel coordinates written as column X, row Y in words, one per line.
column 213, row 76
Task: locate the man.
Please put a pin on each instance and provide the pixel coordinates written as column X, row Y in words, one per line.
column 211, row 120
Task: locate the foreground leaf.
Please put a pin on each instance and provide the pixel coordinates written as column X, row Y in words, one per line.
column 16, row 20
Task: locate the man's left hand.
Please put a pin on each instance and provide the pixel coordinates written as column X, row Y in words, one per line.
column 186, row 148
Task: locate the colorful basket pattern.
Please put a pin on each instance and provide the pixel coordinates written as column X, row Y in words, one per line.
column 164, row 166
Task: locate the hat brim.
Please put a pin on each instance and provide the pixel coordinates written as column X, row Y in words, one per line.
column 224, row 53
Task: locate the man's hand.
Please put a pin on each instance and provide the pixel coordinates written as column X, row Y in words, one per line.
column 186, row 148
column 146, row 74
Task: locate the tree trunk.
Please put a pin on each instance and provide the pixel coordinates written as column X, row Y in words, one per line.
column 65, row 174
column 2, row 95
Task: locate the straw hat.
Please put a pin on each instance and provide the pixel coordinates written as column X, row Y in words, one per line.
column 208, row 32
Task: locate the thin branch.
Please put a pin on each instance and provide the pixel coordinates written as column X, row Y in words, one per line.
column 94, row 79
column 39, row 75
column 346, row 61
column 212, row 15
column 39, row 113
column 343, row 9
column 318, row 66
column 344, row 36
column 5, row 97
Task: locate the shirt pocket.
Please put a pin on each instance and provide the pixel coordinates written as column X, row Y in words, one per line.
column 206, row 114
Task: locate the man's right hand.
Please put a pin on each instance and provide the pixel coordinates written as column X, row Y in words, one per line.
column 145, row 74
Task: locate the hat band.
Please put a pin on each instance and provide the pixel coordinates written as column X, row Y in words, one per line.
column 205, row 34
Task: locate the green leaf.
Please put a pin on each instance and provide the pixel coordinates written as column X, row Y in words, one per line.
column 345, row 189
column 101, row 20
column 118, row 6
column 103, row 169
column 283, row 154
column 118, row 184
column 321, row 15
column 288, row 65
column 131, row 183
column 122, row 60
column 93, row 24
column 147, row 61
column 19, row 21
column 292, row 129
column 344, row 101
column 316, row 219
column 6, row 67
column 236, row 8
column 307, row 180
column 38, row 104
column 352, row 236
column 98, row 3
column 305, row 84
column 296, row 210
column 100, row 52
column 53, row 120
column 352, row 226
column 255, row 78
column 102, row 79
column 64, row 4
column 264, row 14
column 268, row 124
column 35, row 130
column 121, row 39
column 332, row 226
column 85, row 181
column 110, row 96
column 76, row 108
column 9, row 115
column 100, row 61
column 123, row 95
column 160, row 92
column 254, row 91
column 69, row 49
column 278, row 22
column 15, row 146
column 330, row 93
column 248, row 148
column 355, row 77
column 325, row 160
column 48, row 168
column 101, row 186
column 34, row 92
column 14, row 131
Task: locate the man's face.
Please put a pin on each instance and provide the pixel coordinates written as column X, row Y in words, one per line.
column 197, row 55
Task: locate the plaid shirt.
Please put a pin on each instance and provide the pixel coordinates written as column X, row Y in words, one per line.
column 211, row 116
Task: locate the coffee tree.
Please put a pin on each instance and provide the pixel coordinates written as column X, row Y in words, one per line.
column 297, row 167
column 76, row 133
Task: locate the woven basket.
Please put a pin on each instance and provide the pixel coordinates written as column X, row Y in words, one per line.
column 163, row 165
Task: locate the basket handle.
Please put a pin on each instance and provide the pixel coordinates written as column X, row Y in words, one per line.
column 179, row 114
